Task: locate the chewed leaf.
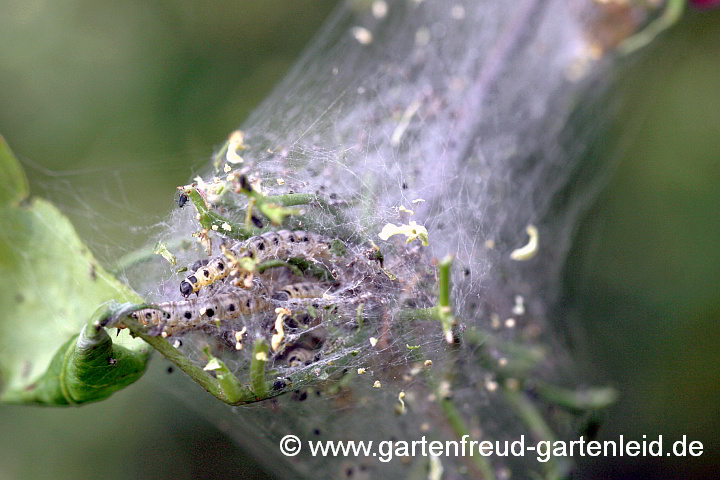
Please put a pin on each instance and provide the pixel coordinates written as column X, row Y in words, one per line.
column 162, row 250
column 55, row 286
column 412, row 231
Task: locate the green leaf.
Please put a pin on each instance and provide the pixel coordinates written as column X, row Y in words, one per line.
column 51, row 287
column 87, row 368
column 15, row 184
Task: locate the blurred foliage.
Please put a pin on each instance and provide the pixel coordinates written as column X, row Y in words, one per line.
column 140, row 89
column 144, row 90
column 645, row 271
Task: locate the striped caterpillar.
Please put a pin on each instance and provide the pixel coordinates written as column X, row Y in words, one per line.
column 280, row 244
column 186, row 315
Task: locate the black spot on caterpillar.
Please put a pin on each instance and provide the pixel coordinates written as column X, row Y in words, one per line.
column 299, row 395
column 257, row 221
column 269, row 245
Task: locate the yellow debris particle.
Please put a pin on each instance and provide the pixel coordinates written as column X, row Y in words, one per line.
column 402, row 208
column 510, row 323
column 256, row 184
column 236, row 142
column 428, row 363
column 412, row 231
column 495, row 321
column 164, row 334
column 213, row 364
column 401, row 407
column 489, row 244
column 227, row 168
column 379, row 9
column 262, row 356
column 404, row 122
column 360, row 371
column 239, row 338
column 280, row 181
column 528, row 251
column 377, row 384
column 418, row 200
column 239, row 335
column 373, row 341
column 278, row 337
column 215, row 228
column 362, row 35
column 491, row 385
column 519, row 308
column 443, row 390
column 435, row 472
column 226, row 226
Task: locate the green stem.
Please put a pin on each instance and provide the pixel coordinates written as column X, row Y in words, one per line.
column 257, row 368
column 673, row 12
column 444, row 308
column 278, row 263
column 576, row 400
column 539, row 429
column 205, row 380
column 208, row 219
column 457, row 424
column 444, row 282
column 420, row 314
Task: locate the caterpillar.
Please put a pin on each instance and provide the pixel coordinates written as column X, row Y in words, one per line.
column 300, row 356
column 282, row 243
column 187, row 315
column 300, row 290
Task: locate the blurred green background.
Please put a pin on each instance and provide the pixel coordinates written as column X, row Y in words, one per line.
column 111, row 106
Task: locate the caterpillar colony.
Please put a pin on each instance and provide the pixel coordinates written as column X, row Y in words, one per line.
column 270, row 245
column 228, row 292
